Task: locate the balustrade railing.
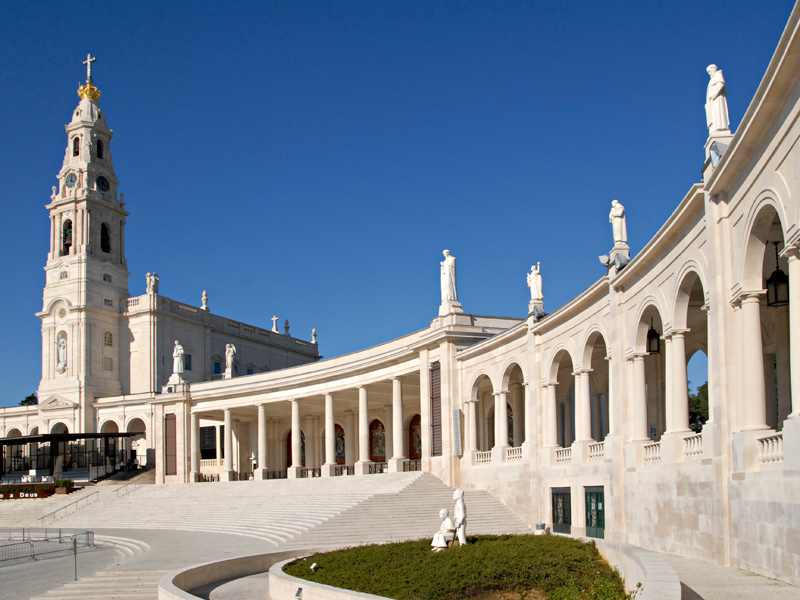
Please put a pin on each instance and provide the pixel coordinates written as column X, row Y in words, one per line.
column 209, row 462
column 70, row 508
column 514, row 454
column 412, row 464
column 597, row 452
column 652, row 453
column 563, row 456
column 341, row 470
column 378, row 467
column 483, row 458
column 693, row 446
column 770, row 448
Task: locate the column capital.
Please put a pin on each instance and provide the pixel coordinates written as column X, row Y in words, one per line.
column 791, row 251
column 500, row 393
column 578, row 372
column 747, row 296
column 675, row 333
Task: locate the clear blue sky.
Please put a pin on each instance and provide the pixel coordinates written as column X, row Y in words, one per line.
column 313, row 159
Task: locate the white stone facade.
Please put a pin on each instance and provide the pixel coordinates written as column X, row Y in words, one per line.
column 592, row 407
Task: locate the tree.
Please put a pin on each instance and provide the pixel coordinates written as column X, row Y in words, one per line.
column 29, row 400
column 698, row 408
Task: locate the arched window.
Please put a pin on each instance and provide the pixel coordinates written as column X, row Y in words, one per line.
column 76, row 146
column 108, row 339
column 105, row 238
column 66, row 237
column 100, row 148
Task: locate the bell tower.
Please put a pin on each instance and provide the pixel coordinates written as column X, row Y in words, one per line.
column 86, row 289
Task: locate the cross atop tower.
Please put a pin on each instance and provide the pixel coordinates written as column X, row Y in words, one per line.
column 88, row 62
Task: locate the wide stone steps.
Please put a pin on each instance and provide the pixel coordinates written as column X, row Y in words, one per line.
column 109, row 585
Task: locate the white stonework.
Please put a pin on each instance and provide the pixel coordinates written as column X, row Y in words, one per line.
column 539, row 411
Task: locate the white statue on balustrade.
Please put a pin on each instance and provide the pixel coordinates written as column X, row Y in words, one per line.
column 716, row 102
column 177, row 358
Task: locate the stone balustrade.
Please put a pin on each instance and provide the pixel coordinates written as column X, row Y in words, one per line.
column 770, row 449
column 514, row 454
column 483, row 458
column 563, row 456
column 597, row 452
column 693, row 446
column 652, row 453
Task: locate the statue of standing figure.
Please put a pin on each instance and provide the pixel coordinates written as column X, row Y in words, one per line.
column 230, row 354
column 717, row 101
column 460, row 514
column 446, row 530
column 177, row 358
column 617, row 220
column 448, row 278
column 61, row 346
column 535, row 283
column 152, row 283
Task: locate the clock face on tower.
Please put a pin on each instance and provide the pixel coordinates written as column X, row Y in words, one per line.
column 102, row 184
column 71, row 180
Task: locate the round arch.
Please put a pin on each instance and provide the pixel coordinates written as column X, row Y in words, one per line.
column 59, row 427
column 109, row 426
column 13, row 432
column 764, row 224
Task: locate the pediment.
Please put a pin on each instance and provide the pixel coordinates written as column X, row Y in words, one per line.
column 57, row 401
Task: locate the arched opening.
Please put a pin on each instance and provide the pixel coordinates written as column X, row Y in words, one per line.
column 594, row 358
column 59, row 428
column 136, row 446
column 377, row 441
column 14, row 455
column 302, row 449
column 483, row 395
column 66, row 237
column 105, row 238
column 340, row 444
column 765, row 367
column 109, row 427
column 415, row 438
column 650, row 390
column 514, row 382
column 100, row 149
column 687, row 346
column 562, row 375
column 697, row 376
column 76, row 146
column 14, row 432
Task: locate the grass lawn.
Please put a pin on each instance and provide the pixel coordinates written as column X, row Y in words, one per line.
column 523, row 567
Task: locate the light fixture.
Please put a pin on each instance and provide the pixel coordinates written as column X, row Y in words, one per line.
column 653, row 340
column 777, row 285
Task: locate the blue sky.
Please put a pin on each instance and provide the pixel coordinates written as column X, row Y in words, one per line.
column 312, row 159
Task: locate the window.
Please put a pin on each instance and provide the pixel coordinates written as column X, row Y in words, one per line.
column 217, row 367
column 106, row 277
column 100, row 149
column 63, row 275
column 108, row 364
column 249, row 371
column 76, row 146
column 105, row 238
column 108, row 302
column 208, row 443
column 108, row 339
column 66, row 237
column 187, row 362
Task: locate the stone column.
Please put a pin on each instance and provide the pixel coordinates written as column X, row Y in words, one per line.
column 297, row 441
column 501, row 420
column 753, row 392
column 794, row 328
column 362, row 466
column 528, row 401
column 311, row 450
column 261, row 467
column 330, row 438
column 351, row 435
column 227, row 461
column 396, row 462
column 679, row 415
column 669, row 388
column 583, row 423
column 194, row 448
column 550, row 424
column 597, row 417
column 639, row 422
column 472, row 425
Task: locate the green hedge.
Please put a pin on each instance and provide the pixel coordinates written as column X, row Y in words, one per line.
column 68, row 483
column 560, row 568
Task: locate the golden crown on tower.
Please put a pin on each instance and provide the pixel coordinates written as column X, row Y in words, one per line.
column 88, row 91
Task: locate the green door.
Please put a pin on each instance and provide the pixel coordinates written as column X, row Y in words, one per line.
column 595, row 512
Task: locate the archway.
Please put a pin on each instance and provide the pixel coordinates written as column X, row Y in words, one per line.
column 514, row 382
column 59, row 428
column 109, row 427
column 483, row 397
column 595, row 359
column 340, row 445
column 136, row 446
column 650, row 395
column 697, row 375
column 415, row 438
column 563, row 382
column 377, row 441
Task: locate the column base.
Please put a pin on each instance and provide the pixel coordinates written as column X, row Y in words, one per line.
column 195, row 476
column 499, row 454
column 328, row 470
column 226, row 476
column 294, row 473
column 260, row 474
column 396, row 464
column 791, row 443
column 362, row 468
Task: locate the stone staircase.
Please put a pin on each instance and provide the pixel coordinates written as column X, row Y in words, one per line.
column 109, row 585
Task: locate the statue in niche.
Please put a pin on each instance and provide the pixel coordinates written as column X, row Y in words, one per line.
column 460, row 514
column 716, row 101
column 177, row 358
column 446, row 531
column 535, row 283
column 617, row 220
column 61, row 348
column 230, row 354
column 448, row 277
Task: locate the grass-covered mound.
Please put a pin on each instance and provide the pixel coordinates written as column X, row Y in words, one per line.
column 522, row 567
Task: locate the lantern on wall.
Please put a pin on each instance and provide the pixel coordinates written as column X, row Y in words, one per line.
column 777, row 285
column 653, row 340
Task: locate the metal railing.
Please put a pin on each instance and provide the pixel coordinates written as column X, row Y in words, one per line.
column 37, row 542
column 770, row 448
column 309, row 473
column 514, row 454
column 652, row 453
column 412, row 464
column 71, row 507
column 693, row 446
column 126, row 489
column 378, row 467
column 341, row 470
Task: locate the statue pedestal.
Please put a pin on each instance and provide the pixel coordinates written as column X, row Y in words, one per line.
column 621, row 250
column 449, row 307
column 536, row 307
column 228, row 373
column 328, row 470
column 175, row 384
column 395, row 464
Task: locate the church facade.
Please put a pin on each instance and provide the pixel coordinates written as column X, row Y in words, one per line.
column 594, row 435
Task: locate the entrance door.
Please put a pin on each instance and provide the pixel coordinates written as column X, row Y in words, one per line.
column 562, row 510
column 595, row 512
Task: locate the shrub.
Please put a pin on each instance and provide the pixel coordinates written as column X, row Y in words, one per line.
column 67, row 483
